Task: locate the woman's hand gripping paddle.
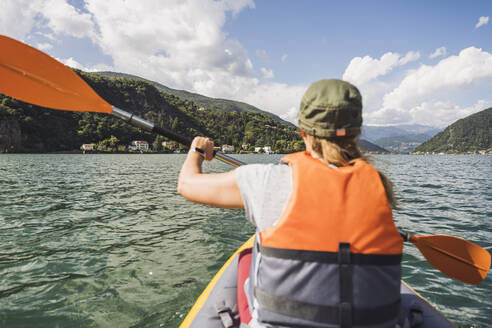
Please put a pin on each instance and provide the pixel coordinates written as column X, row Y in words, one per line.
column 34, row 77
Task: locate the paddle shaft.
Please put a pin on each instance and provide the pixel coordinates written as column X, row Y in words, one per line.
column 140, row 122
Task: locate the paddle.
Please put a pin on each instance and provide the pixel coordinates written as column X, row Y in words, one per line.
column 34, row 77
column 453, row 256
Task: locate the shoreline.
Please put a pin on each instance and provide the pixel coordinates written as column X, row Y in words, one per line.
column 79, row 152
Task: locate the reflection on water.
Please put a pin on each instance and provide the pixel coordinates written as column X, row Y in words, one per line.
column 105, row 241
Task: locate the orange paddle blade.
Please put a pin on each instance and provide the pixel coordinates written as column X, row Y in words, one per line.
column 32, row 76
column 455, row 257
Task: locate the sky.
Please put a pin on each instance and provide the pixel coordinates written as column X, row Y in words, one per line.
column 415, row 62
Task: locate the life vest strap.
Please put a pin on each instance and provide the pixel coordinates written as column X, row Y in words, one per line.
column 345, row 276
column 329, row 257
column 326, row 314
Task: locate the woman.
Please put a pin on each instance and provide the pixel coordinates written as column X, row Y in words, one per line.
column 328, row 253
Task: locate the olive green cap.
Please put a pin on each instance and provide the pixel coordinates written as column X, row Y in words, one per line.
column 331, row 108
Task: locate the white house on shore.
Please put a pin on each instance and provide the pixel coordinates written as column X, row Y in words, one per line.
column 139, row 145
column 88, row 147
column 171, row 145
column 227, row 148
column 267, row 150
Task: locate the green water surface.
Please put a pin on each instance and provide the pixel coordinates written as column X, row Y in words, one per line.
column 106, row 241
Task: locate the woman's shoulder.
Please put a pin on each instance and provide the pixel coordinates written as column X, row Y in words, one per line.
column 262, row 171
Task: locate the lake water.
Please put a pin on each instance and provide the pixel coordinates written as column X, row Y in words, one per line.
column 105, row 240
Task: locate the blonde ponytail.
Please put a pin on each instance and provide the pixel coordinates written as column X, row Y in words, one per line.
column 340, row 151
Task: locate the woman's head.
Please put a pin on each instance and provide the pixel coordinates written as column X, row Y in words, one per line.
column 330, row 119
column 331, row 108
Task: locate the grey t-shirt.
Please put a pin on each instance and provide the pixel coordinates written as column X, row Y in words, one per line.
column 265, row 189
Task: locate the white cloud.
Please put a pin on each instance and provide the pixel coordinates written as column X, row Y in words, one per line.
column 387, row 116
column 419, row 96
column 180, row 44
column 370, row 75
column 49, row 36
column 442, row 51
column 409, row 57
column 469, row 67
column 72, row 63
column 283, row 58
column 443, row 113
column 75, row 64
column 17, row 17
column 291, row 115
column 432, row 113
column 373, row 92
column 262, row 54
column 44, row 46
column 364, row 69
column 235, row 6
column 484, row 20
column 278, row 98
column 267, row 73
column 63, row 18
column 168, row 42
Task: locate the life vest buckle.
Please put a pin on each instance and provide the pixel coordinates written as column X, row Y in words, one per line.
column 225, row 315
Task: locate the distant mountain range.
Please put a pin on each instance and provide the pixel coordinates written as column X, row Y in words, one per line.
column 468, row 135
column 375, row 132
column 402, row 143
column 370, row 147
column 398, row 138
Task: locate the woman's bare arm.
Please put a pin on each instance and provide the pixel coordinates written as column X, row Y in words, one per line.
column 215, row 189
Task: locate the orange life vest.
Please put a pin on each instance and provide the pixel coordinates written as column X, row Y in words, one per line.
column 329, row 205
column 333, row 259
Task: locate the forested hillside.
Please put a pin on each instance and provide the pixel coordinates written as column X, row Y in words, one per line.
column 206, row 102
column 468, row 135
column 28, row 128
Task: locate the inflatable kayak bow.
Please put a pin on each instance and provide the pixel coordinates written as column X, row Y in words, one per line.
column 221, row 295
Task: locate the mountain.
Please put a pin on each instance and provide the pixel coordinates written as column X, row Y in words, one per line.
column 206, row 102
column 28, row 128
column 398, row 138
column 468, row 135
column 375, row 132
column 402, row 143
column 370, row 147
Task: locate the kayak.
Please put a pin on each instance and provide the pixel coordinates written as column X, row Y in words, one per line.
column 221, row 293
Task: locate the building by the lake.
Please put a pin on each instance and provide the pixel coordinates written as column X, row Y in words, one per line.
column 139, row 145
